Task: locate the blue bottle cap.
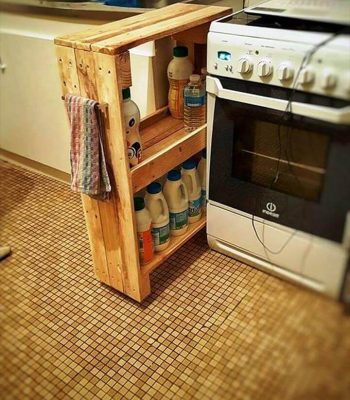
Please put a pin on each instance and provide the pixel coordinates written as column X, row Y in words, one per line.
column 174, row 175
column 189, row 164
column 154, row 188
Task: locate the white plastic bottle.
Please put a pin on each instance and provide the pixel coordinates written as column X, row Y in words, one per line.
column 190, row 178
column 144, row 234
column 179, row 70
column 158, row 208
column 194, row 104
column 175, row 193
column 132, row 122
column 202, row 172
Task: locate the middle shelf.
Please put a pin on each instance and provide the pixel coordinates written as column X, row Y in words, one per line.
column 165, row 145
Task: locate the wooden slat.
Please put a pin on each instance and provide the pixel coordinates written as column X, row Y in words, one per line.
column 175, row 243
column 109, row 91
column 70, row 84
column 165, row 155
column 159, row 131
column 124, row 71
column 195, row 35
column 105, row 226
column 123, row 41
column 84, row 39
column 151, row 119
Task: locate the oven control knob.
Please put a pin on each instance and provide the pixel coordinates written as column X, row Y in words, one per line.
column 285, row 72
column 264, row 68
column 244, row 65
column 307, row 75
column 328, row 79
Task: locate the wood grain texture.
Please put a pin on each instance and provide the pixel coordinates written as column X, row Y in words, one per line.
column 165, row 155
column 124, row 71
column 175, row 243
column 104, row 212
column 109, row 88
column 84, row 39
column 123, row 41
column 70, row 84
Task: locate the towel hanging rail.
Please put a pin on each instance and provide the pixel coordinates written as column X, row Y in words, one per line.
column 101, row 106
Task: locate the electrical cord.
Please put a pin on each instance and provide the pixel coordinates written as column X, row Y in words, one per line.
column 288, row 113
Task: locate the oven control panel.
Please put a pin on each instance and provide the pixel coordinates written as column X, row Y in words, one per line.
column 277, row 62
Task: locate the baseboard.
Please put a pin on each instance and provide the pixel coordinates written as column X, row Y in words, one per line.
column 34, row 166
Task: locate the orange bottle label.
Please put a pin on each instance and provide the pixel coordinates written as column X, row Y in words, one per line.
column 145, row 246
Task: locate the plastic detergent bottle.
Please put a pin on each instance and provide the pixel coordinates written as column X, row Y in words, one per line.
column 158, row 208
column 191, row 180
column 194, row 108
column 179, row 70
column 132, row 122
column 175, row 193
column 144, row 234
column 202, row 172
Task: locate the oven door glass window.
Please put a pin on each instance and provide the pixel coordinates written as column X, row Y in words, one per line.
column 300, row 164
column 273, row 155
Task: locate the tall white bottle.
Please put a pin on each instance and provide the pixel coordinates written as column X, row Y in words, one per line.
column 175, row 193
column 132, row 122
column 202, row 172
column 179, row 70
column 158, row 208
column 191, row 180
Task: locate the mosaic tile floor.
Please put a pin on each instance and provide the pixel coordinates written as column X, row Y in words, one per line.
column 212, row 329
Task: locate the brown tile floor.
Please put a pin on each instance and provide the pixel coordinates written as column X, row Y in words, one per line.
column 212, row 329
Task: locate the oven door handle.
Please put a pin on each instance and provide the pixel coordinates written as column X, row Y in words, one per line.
column 322, row 113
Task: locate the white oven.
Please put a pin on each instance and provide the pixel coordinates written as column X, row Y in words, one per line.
column 278, row 142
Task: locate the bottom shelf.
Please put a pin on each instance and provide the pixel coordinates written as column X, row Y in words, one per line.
column 175, row 243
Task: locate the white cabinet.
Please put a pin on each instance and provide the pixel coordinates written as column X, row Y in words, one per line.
column 33, row 122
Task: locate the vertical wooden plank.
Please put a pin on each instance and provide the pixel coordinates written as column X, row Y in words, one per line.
column 160, row 62
column 70, row 84
column 109, row 86
column 124, row 70
column 103, row 209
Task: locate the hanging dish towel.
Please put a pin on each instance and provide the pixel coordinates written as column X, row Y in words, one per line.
column 88, row 165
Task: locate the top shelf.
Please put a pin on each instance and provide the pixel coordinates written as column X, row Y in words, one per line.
column 120, row 36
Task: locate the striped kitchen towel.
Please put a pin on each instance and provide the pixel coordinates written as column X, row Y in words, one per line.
column 88, row 165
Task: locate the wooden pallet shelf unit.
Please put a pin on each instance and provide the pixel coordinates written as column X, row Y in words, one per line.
column 96, row 64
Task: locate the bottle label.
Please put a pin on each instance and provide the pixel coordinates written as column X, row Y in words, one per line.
column 194, row 207
column 176, row 97
column 203, row 196
column 178, row 220
column 194, row 101
column 134, row 152
column 145, row 246
column 160, row 235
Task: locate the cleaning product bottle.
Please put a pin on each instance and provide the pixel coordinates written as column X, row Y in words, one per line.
column 179, row 70
column 194, row 108
column 191, row 180
column 144, row 234
column 202, row 172
column 132, row 122
column 158, row 208
column 175, row 193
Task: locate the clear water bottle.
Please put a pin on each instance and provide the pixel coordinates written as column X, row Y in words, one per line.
column 194, row 109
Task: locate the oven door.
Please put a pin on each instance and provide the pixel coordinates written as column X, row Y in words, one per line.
column 292, row 168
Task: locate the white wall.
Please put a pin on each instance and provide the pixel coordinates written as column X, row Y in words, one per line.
column 33, row 122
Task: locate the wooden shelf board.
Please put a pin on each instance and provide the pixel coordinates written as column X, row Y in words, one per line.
column 175, row 243
column 163, row 155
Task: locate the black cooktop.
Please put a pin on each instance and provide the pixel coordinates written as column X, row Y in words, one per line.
column 243, row 18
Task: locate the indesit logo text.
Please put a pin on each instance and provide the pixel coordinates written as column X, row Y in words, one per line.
column 270, row 210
